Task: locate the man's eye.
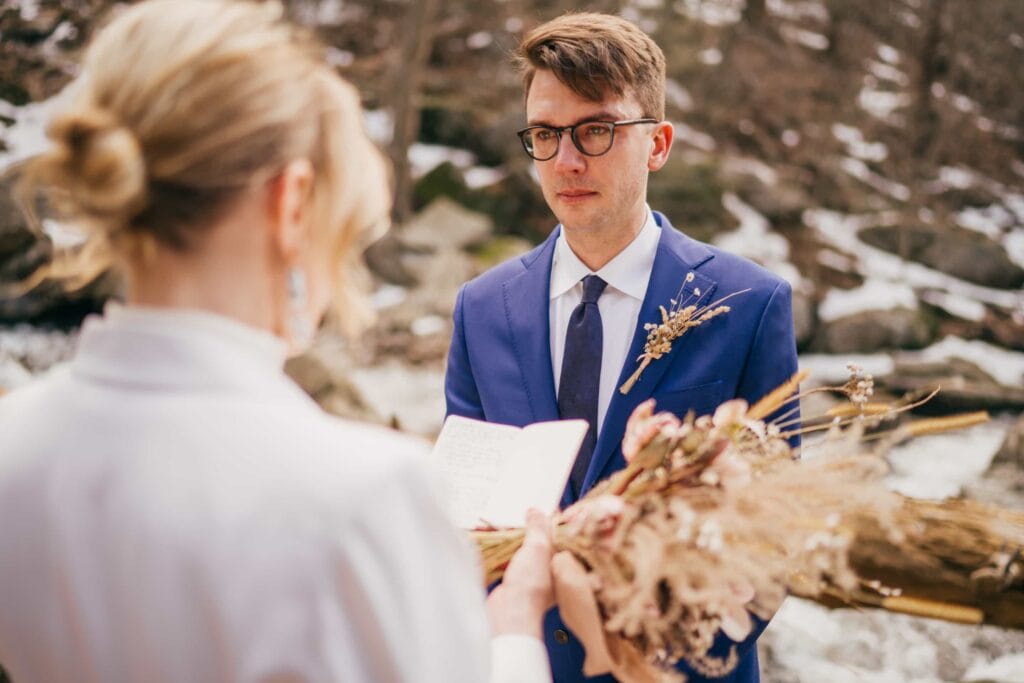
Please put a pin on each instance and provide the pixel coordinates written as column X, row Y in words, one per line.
column 595, row 130
column 543, row 135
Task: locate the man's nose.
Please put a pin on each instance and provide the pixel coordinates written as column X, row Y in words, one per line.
column 569, row 159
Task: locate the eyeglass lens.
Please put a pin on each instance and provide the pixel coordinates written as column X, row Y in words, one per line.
column 592, row 139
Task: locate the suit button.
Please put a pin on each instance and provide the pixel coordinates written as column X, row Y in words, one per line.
column 561, row 637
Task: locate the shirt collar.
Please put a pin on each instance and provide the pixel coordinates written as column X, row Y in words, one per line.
column 166, row 347
column 629, row 272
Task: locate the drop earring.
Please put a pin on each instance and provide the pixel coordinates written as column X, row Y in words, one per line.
column 299, row 330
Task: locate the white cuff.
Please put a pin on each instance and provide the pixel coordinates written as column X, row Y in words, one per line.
column 519, row 659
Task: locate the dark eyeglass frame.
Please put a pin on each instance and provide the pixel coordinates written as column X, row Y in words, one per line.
column 612, row 125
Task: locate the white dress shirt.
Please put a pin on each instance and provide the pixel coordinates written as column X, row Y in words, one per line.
column 173, row 508
column 627, row 276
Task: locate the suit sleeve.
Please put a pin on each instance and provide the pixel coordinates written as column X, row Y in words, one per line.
column 460, row 392
column 772, row 359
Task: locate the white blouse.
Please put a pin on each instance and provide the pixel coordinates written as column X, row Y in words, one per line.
column 173, row 508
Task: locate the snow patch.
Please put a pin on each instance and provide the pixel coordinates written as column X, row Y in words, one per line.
column 26, row 137
column 694, row 137
column 755, row 240
column 380, row 125
column 957, row 306
column 751, row 166
column 881, row 104
column 955, row 177
column 836, row 261
column 809, row 39
column 424, row 157
column 856, row 146
column 937, row 467
column 840, row 231
column 829, row 369
column 989, row 220
column 859, row 170
column 678, row 95
column 1004, row 366
column 483, row 176
column 479, row 40
column 388, row 295
column 1005, row 669
column 888, row 72
column 964, row 103
column 888, row 54
column 873, row 295
column 798, row 11
column 711, row 12
column 414, row 396
column 711, row 56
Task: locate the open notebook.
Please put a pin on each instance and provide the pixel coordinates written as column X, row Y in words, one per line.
column 493, row 473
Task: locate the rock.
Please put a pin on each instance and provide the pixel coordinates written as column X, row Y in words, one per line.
column 1005, row 330
column 499, row 249
column 384, row 259
column 15, row 234
column 1003, row 483
column 871, row 331
column 444, row 180
column 1012, row 451
column 59, row 302
column 782, row 203
column 322, row 373
column 964, row 387
column 804, row 317
column 445, row 224
column 515, row 205
column 690, row 194
column 961, row 253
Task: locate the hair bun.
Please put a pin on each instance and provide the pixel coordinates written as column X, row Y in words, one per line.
column 99, row 164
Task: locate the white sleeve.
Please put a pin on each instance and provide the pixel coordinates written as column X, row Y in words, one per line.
column 519, row 659
column 414, row 594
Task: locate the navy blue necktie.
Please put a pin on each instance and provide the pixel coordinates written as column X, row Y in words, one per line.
column 581, row 372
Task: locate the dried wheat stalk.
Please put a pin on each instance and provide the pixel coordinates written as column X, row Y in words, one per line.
column 715, row 518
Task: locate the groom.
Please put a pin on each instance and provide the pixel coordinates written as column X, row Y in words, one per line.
column 555, row 333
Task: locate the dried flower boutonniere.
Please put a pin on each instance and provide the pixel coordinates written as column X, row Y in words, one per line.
column 674, row 323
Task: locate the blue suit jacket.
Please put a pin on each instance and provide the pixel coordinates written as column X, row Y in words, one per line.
column 499, row 369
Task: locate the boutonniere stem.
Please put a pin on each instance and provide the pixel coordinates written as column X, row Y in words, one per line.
column 675, row 321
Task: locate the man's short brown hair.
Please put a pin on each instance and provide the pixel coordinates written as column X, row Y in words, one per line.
column 596, row 55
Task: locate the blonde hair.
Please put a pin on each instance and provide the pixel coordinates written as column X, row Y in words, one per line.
column 596, row 55
column 183, row 105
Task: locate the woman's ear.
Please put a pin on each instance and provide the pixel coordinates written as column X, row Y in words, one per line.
column 289, row 206
column 663, row 136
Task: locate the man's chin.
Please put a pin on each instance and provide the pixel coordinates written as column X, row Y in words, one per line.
column 576, row 216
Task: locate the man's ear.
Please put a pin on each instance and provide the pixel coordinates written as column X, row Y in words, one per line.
column 289, row 207
column 663, row 136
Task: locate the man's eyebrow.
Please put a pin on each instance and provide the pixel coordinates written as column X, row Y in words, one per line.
column 599, row 116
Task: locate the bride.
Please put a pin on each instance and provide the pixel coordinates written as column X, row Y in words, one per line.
column 173, row 507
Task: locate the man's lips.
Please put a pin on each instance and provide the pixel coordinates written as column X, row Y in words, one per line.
column 576, row 195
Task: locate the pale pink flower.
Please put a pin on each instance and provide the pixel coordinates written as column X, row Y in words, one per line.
column 736, row 622
column 728, row 471
column 643, row 426
column 730, row 412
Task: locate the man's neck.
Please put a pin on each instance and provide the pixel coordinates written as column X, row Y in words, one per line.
column 596, row 249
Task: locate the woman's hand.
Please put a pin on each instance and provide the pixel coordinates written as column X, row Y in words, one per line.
column 518, row 604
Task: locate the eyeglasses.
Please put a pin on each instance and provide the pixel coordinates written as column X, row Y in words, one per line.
column 592, row 138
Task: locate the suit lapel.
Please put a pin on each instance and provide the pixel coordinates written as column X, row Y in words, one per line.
column 677, row 255
column 526, row 300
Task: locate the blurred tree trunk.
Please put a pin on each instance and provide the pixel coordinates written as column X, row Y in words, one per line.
column 959, row 560
column 931, row 61
column 755, row 12
column 406, row 86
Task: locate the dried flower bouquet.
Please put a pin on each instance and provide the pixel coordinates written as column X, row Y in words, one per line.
column 716, row 518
